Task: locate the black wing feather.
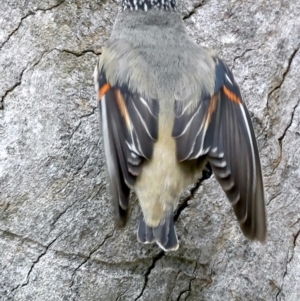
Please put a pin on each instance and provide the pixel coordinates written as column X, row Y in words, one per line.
column 219, row 126
column 190, row 128
column 115, row 156
column 144, row 115
column 130, row 128
column 234, row 156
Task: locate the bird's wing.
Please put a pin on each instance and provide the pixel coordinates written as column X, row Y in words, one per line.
column 220, row 128
column 130, row 128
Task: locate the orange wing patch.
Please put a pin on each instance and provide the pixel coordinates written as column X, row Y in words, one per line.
column 123, row 108
column 103, row 90
column 232, row 96
column 212, row 107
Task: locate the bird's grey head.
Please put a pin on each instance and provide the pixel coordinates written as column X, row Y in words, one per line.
column 145, row 5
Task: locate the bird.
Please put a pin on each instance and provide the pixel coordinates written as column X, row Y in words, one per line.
column 168, row 107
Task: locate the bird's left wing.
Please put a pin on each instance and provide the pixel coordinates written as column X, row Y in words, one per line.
column 130, row 128
column 219, row 127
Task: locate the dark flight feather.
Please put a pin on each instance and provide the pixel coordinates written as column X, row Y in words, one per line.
column 220, row 127
column 130, row 128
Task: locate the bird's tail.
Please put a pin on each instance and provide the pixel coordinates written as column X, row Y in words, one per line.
column 164, row 234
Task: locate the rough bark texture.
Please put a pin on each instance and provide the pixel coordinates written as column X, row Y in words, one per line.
column 57, row 235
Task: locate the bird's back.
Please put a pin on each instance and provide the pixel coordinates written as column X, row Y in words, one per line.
column 152, row 52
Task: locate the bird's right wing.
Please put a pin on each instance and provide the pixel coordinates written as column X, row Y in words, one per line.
column 130, row 129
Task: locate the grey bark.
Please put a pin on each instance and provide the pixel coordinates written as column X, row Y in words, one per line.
column 57, row 237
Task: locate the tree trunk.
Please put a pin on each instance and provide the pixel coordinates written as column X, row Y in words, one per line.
column 57, row 234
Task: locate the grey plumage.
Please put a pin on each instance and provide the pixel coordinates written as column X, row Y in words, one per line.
column 168, row 106
column 152, row 53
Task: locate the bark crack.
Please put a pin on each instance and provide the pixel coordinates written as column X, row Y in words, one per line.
column 90, row 255
column 81, row 53
column 31, row 13
column 286, row 71
column 122, row 294
column 273, row 198
column 289, row 124
column 75, row 130
column 12, row 88
column 295, row 238
column 210, row 276
column 20, row 237
column 295, row 223
column 280, row 139
column 148, row 272
column 90, row 196
column 174, row 284
column 89, row 114
column 288, row 261
column 33, row 265
column 19, row 81
column 186, row 290
column 240, row 56
column 206, row 174
column 194, row 10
